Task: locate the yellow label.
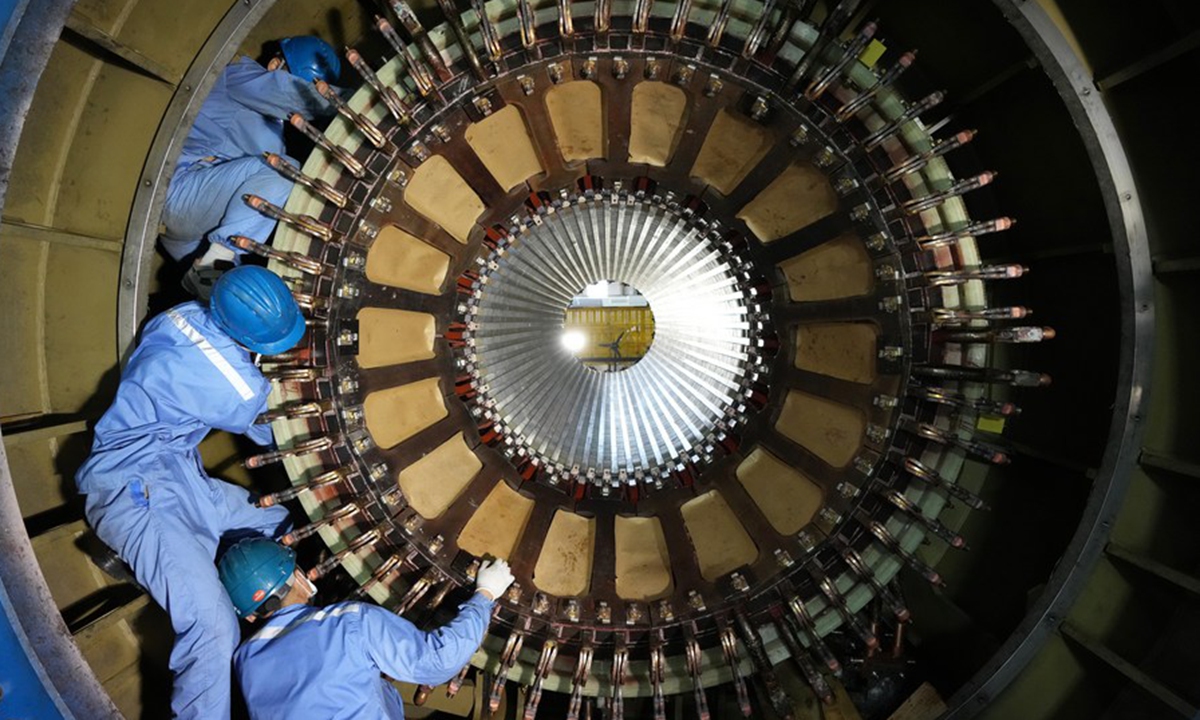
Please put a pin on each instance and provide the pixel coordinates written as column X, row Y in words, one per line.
column 991, row 424
column 871, row 55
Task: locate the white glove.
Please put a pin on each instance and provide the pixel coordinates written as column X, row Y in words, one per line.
column 493, row 578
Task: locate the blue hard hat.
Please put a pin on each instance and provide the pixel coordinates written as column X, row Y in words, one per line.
column 255, row 307
column 254, row 571
column 311, row 58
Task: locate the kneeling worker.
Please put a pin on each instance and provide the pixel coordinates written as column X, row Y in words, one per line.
column 148, row 496
column 326, row 663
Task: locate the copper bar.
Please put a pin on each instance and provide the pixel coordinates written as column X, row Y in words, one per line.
column 311, row 408
column 838, row 601
column 414, row 594
column 317, row 185
column 940, row 239
column 730, row 651
column 299, row 261
column 695, row 670
column 491, row 39
column 787, row 628
column 388, row 95
column 758, row 657
column 294, row 374
column 306, row 531
column 944, row 278
column 679, row 21
column 845, row 112
column 912, row 512
column 830, row 29
column 454, row 19
column 583, row 668
column 617, row 678
column 893, row 545
column 435, row 600
column 805, row 621
column 759, row 34
column 717, row 30
column 860, row 569
column 366, row 540
column 928, row 102
column 418, row 71
column 392, row 565
column 983, row 451
column 508, row 658
column 429, row 51
column 641, row 15
column 927, row 202
column 566, row 23
column 944, row 396
column 1017, row 378
column 368, row 129
column 306, row 224
column 922, row 472
column 337, row 152
column 305, row 447
column 851, row 53
column 603, row 16
column 782, row 31
column 657, row 674
column 920, row 160
column 996, row 335
column 457, row 681
column 545, row 664
column 528, row 23
column 325, row 479
column 956, row 316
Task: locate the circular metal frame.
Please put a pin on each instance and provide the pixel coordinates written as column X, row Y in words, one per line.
column 1103, row 145
column 141, row 233
column 1091, row 117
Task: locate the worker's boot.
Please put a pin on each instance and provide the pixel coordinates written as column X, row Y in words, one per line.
column 206, row 270
column 112, row 565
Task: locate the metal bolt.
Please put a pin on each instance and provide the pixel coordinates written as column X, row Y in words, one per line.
column 620, row 68
column 759, row 110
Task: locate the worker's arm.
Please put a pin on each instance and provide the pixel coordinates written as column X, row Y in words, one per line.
column 276, row 93
column 221, row 406
column 261, row 434
column 403, row 652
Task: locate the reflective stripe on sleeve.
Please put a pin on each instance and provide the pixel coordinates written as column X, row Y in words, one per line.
column 217, row 359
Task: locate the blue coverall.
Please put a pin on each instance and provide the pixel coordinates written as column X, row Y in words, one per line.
column 242, row 118
column 325, row 664
column 150, row 500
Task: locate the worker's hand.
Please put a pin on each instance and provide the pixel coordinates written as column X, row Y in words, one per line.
column 493, row 578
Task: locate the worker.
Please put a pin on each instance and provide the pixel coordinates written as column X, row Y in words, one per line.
column 222, row 157
column 147, row 494
column 326, row 663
